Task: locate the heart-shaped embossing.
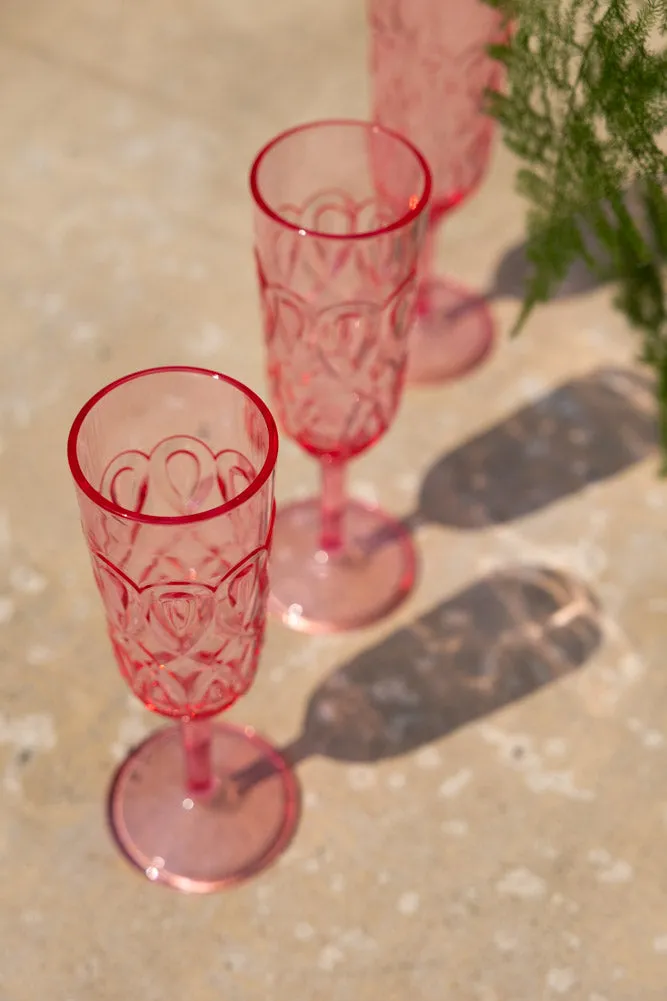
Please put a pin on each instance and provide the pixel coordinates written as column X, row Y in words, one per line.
column 376, row 259
column 244, row 594
column 329, row 210
column 309, row 261
column 336, row 371
column 235, row 473
column 349, row 338
column 286, row 244
column 125, row 481
column 178, row 614
column 119, row 595
column 182, row 469
column 285, row 316
column 180, row 476
column 184, row 647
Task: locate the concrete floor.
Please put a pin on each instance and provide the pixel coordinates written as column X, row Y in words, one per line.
column 507, row 846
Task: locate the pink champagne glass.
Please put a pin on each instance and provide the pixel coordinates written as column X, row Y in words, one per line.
column 174, row 472
column 340, row 216
column 430, row 70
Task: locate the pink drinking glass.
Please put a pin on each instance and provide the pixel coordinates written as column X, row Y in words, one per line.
column 174, row 472
column 340, row 215
column 430, row 69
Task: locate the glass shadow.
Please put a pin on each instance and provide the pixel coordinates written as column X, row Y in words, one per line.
column 498, row 641
column 587, row 430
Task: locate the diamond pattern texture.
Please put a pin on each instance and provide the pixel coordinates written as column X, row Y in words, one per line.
column 336, row 317
column 430, row 71
column 185, row 605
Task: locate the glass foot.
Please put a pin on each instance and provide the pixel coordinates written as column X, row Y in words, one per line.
column 196, row 846
column 316, row 592
column 453, row 333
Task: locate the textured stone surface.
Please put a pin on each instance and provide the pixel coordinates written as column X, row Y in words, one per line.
column 469, row 843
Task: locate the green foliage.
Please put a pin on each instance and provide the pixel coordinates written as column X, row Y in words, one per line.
column 584, row 108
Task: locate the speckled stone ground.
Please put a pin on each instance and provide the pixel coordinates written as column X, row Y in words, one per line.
column 495, row 830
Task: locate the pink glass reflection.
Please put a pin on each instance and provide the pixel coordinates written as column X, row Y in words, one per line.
column 174, row 474
column 430, row 70
column 340, row 216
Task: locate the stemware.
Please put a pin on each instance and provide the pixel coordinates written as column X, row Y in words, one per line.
column 340, row 216
column 174, row 471
column 430, row 70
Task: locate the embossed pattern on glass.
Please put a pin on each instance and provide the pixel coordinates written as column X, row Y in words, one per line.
column 340, row 218
column 186, row 618
column 174, row 473
column 430, row 70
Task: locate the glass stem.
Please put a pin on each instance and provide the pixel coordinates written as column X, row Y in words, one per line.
column 196, row 734
column 333, row 502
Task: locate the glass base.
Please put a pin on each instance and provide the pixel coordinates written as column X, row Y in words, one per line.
column 198, row 846
column 316, row 592
column 453, row 333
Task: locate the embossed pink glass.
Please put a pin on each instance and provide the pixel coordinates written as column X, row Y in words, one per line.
column 430, row 69
column 174, row 472
column 340, row 215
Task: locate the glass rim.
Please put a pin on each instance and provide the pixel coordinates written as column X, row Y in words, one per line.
column 402, row 221
column 93, row 494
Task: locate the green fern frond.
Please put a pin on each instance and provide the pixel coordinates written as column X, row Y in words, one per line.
column 585, row 109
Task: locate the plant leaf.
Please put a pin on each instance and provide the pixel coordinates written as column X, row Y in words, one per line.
column 585, row 109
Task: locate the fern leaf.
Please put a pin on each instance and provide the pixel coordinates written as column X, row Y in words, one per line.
column 584, row 109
